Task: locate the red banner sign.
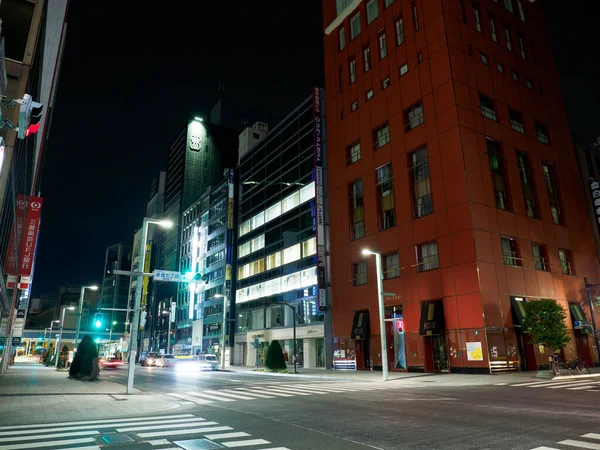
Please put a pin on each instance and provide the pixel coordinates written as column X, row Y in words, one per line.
column 29, row 211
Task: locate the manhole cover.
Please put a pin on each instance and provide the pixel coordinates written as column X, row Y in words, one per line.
column 198, row 444
column 117, row 439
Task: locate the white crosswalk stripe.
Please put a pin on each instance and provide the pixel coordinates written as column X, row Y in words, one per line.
column 209, row 396
column 88, row 435
column 576, row 443
column 571, row 385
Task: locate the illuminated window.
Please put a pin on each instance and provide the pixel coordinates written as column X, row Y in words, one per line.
column 307, row 192
column 245, row 227
column 309, row 247
column 258, row 220
column 290, row 202
column 427, row 257
column 566, row 261
column 359, row 273
column 274, row 260
column 510, row 252
column 297, row 280
column 291, row 254
column 257, row 243
column 244, row 249
column 273, row 212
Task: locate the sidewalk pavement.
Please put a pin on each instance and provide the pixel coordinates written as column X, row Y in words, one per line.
column 31, row 392
column 406, row 378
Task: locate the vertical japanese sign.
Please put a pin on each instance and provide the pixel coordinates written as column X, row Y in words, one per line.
column 229, row 248
column 595, row 190
column 318, row 145
column 146, row 270
column 26, row 229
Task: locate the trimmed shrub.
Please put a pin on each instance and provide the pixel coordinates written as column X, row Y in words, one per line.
column 85, row 358
column 275, row 359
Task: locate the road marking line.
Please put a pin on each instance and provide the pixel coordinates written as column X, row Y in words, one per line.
column 325, row 389
column 277, row 394
column 244, row 391
column 591, row 436
column 89, row 422
column 47, row 444
column 179, row 432
column 200, row 422
column 545, row 448
column 160, row 442
column 212, row 397
column 290, row 390
column 104, row 425
column 189, row 400
column 580, row 383
column 580, row 444
column 87, row 447
column 48, row 436
column 227, row 394
column 232, row 444
column 276, row 448
column 579, row 388
column 226, row 435
column 533, row 383
column 500, row 384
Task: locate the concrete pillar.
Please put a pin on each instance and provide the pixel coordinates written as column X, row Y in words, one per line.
column 310, row 353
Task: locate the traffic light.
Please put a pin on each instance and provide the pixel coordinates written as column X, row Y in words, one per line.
column 24, row 114
column 34, row 118
column 98, row 320
column 192, row 277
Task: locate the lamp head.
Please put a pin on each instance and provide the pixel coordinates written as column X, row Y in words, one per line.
column 166, row 223
column 93, row 288
column 366, row 252
column 219, row 296
column 70, row 308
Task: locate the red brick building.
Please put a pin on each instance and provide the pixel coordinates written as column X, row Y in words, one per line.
column 450, row 153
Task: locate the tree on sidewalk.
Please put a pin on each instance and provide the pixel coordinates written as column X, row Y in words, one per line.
column 275, row 359
column 85, row 362
column 544, row 321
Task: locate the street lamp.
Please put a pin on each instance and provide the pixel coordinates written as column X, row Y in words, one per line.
column 169, row 331
column 50, row 334
column 135, row 323
column 62, row 324
column 384, row 360
column 80, row 310
column 223, row 327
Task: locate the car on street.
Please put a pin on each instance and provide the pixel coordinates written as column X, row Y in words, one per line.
column 147, row 359
column 164, row 361
column 198, row 363
column 111, row 362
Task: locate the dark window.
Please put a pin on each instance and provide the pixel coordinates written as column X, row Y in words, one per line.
column 541, row 132
column 341, row 78
column 553, row 196
column 427, row 256
column 381, row 136
column 369, row 94
column 385, row 83
column 359, row 273
column 413, row 116
column 382, row 46
column 367, row 58
column 391, row 266
column 540, row 256
column 357, row 213
column 566, row 261
column 400, row 31
column 354, row 105
column 515, row 76
column 483, row 57
column 352, row 65
column 493, row 28
column 476, row 17
column 488, row 109
column 510, row 252
column 516, row 120
column 421, row 184
column 385, row 191
column 498, row 174
column 415, row 15
column 527, row 184
column 507, row 37
column 353, row 153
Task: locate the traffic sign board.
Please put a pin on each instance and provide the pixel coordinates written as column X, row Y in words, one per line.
column 167, row 275
column 16, row 341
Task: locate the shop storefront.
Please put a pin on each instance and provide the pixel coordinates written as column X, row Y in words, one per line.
column 251, row 347
column 432, row 327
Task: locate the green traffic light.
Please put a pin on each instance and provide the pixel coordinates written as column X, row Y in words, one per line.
column 98, row 324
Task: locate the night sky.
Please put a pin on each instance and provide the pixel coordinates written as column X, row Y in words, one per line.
column 133, row 75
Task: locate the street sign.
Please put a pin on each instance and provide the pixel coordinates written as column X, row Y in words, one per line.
column 2, row 341
column 16, row 341
column 167, row 275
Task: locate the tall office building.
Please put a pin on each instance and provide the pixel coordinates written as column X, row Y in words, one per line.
column 208, row 249
column 450, row 153
column 115, row 288
column 196, row 161
column 282, row 237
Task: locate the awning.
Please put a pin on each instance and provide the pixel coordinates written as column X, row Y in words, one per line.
column 432, row 318
column 579, row 319
column 518, row 309
column 360, row 326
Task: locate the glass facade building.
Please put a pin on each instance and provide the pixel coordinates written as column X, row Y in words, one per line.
column 279, row 278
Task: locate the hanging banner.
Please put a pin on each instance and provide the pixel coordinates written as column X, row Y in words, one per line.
column 26, row 229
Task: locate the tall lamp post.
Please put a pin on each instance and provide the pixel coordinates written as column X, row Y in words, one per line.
column 50, row 333
column 62, row 324
column 80, row 311
column 380, row 294
column 223, row 327
column 135, row 322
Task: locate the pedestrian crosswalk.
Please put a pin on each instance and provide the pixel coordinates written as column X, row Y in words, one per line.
column 588, row 385
column 589, row 441
column 160, row 432
column 208, row 396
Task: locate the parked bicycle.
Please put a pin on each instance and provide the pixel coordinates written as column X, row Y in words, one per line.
column 575, row 367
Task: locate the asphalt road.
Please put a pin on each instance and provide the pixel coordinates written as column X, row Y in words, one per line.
column 309, row 414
